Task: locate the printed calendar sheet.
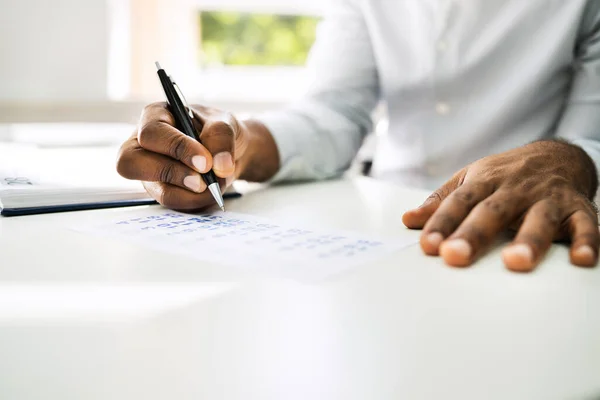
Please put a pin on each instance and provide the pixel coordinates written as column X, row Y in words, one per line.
column 246, row 241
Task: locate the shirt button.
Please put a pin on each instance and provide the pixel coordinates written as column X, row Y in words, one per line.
column 442, row 46
column 442, row 108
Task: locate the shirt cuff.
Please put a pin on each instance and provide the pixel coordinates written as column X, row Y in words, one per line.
column 284, row 133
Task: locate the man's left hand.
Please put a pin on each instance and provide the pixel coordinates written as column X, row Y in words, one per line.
column 543, row 190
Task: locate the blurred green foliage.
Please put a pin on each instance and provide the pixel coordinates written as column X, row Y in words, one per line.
column 235, row 38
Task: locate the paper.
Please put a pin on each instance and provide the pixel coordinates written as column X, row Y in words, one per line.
column 246, row 242
column 81, row 168
column 61, row 177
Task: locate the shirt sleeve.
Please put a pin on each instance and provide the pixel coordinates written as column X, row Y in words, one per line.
column 580, row 122
column 319, row 135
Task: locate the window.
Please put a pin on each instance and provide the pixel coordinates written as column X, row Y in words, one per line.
column 233, row 54
column 254, row 51
column 249, row 39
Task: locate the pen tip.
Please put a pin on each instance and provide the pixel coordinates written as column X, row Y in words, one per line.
column 157, row 65
column 223, row 208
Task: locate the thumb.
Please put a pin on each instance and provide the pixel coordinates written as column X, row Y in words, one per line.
column 218, row 135
column 416, row 218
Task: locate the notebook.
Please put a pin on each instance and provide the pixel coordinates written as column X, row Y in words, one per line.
column 36, row 180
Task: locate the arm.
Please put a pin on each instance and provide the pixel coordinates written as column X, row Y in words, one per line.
column 541, row 190
column 580, row 122
column 319, row 135
column 313, row 139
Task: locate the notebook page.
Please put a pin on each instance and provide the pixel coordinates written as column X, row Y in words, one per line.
column 37, row 177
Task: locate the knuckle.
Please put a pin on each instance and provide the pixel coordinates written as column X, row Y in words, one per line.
column 123, row 166
column 465, row 196
column 221, row 127
column 533, row 164
column 178, row 147
column 125, row 159
column 556, row 196
column 152, row 106
column 548, row 210
column 593, row 213
column 167, row 173
column 574, row 204
column 167, row 198
column 147, row 131
column 201, row 108
column 496, row 207
column 526, row 185
column 161, row 197
column 156, row 190
column 491, row 173
column 556, row 184
column 443, row 223
column 434, row 197
column 580, row 203
column 552, row 216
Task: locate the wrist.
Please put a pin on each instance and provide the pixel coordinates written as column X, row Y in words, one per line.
column 260, row 161
column 589, row 170
column 584, row 174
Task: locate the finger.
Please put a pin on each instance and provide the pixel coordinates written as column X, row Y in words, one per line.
column 585, row 238
column 490, row 217
column 176, row 198
column 540, row 227
column 158, row 134
column 416, row 218
column 218, row 136
column 143, row 165
column 451, row 213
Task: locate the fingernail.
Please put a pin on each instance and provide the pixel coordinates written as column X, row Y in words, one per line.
column 223, row 162
column 459, row 247
column 584, row 253
column 228, row 181
column 199, row 163
column 193, row 182
column 520, row 253
column 435, row 239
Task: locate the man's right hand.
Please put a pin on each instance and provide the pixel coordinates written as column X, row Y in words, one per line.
column 169, row 163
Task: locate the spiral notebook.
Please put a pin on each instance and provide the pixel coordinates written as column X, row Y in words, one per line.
column 37, row 180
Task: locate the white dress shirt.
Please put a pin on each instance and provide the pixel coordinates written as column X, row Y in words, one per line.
column 462, row 79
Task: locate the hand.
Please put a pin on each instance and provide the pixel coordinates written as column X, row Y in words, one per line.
column 543, row 190
column 169, row 163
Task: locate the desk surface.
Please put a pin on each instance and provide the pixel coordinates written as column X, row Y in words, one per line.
column 89, row 318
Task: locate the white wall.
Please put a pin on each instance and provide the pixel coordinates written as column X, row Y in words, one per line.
column 53, row 50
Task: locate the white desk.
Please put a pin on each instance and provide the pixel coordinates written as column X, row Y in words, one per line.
column 88, row 318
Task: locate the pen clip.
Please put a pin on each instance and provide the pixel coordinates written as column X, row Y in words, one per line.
column 182, row 97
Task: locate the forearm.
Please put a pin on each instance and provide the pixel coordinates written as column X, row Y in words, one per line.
column 318, row 135
column 580, row 121
column 261, row 157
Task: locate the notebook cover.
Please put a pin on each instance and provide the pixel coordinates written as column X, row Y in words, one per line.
column 13, row 212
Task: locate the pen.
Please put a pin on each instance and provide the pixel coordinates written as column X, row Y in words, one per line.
column 183, row 118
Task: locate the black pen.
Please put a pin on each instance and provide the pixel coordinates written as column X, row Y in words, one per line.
column 183, row 118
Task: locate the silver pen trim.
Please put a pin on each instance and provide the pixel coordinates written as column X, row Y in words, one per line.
column 215, row 190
